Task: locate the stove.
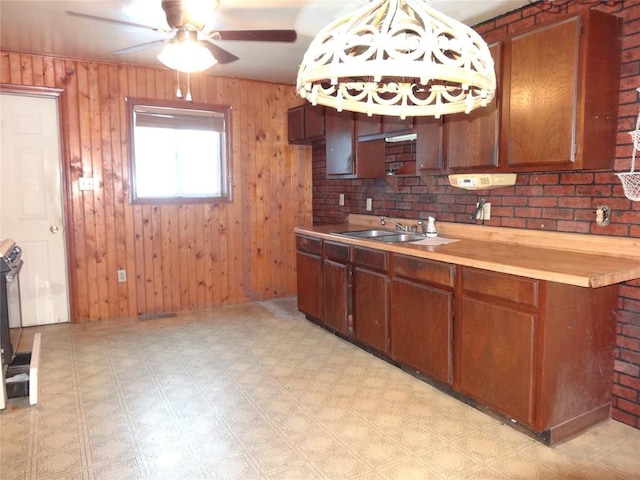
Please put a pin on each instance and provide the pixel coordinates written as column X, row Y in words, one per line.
column 10, row 309
column 10, row 255
column 19, row 370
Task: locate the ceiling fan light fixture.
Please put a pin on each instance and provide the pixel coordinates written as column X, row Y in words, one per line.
column 186, row 54
column 399, row 58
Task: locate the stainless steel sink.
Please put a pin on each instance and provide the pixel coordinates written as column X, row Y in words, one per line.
column 399, row 237
column 367, row 233
column 386, row 236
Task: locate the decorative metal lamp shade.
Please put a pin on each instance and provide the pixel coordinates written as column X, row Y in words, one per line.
column 399, row 58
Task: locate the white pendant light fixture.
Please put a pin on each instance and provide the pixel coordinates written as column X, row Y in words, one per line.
column 400, row 58
column 186, row 54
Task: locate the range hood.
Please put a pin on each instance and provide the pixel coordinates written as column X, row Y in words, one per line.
column 482, row 181
column 402, row 138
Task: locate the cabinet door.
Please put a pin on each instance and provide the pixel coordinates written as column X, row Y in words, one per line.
column 309, row 282
column 370, row 308
column 393, row 125
column 295, row 124
column 377, row 126
column 305, row 124
column 336, row 295
column 347, row 157
column 370, row 158
column 314, row 122
column 471, row 140
column 494, row 357
column 366, row 126
column 421, row 322
column 340, row 142
column 543, row 96
column 428, row 145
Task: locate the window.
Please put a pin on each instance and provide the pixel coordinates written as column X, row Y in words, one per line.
column 179, row 152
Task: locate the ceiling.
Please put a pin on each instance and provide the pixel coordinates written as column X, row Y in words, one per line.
column 43, row 27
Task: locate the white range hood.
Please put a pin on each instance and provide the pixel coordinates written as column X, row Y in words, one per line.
column 482, row 181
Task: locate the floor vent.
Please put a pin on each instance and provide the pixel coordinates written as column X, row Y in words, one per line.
column 156, row 316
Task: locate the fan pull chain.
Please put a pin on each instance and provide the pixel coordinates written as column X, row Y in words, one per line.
column 178, row 91
column 188, row 97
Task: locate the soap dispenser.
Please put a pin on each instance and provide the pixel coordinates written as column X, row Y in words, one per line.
column 431, row 227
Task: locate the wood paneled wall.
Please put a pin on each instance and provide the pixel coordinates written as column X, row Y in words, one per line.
column 177, row 257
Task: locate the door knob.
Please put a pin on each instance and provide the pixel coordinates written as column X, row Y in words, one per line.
column 54, row 229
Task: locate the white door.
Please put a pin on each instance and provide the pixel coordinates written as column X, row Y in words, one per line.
column 31, row 203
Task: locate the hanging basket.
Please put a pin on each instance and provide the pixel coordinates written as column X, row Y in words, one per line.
column 635, row 137
column 631, row 180
column 630, row 185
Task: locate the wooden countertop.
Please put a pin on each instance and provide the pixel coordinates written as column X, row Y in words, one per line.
column 575, row 259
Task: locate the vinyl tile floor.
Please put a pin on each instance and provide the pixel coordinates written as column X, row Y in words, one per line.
column 255, row 391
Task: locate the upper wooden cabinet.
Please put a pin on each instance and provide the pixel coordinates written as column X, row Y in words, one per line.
column 555, row 107
column 380, row 126
column 429, row 157
column 305, row 124
column 346, row 156
column 560, row 98
column 471, row 141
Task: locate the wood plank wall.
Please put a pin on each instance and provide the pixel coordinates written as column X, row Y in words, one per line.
column 177, row 257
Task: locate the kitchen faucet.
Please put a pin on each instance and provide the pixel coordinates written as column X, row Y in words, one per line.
column 479, row 211
column 399, row 226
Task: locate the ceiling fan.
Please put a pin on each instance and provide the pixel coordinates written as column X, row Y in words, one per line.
column 187, row 22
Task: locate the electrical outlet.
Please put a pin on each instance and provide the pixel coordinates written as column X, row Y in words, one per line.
column 122, row 276
column 485, row 214
column 369, row 204
column 341, row 200
column 85, row 183
column 603, row 215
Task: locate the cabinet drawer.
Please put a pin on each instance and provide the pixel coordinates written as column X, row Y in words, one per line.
column 336, row 251
column 375, row 259
column 420, row 269
column 309, row 244
column 498, row 285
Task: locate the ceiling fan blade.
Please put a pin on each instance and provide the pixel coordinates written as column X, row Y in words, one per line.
column 220, row 54
column 113, row 20
column 256, row 35
column 142, row 46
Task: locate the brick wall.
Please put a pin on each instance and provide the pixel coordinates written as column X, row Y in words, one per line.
column 542, row 201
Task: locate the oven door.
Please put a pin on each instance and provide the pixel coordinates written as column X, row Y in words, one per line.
column 10, row 312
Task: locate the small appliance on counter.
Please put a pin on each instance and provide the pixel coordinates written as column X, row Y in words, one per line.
column 19, row 370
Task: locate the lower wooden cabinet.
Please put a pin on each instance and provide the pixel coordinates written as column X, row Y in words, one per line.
column 309, row 276
column 370, row 318
column 337, row 287
column 421, row 323
column 495, row 363
column 536, row 352
column 421, row 315
column 371, row 298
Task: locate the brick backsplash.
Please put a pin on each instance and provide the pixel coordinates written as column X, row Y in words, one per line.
column 558, row 201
